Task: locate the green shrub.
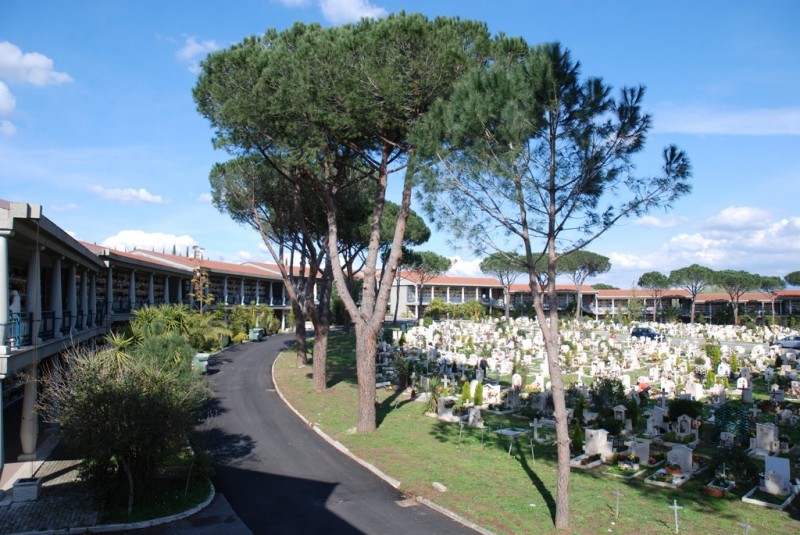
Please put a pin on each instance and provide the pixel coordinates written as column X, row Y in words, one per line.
column 479, row 394
column 465, row 392
column 238, row 338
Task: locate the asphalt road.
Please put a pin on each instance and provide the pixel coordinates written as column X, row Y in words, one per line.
column 280, row 476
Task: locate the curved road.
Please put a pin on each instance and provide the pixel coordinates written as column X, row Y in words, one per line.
column 279, row 475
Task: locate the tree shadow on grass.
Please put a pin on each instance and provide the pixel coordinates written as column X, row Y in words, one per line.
column 537, row 482
column 388, row 405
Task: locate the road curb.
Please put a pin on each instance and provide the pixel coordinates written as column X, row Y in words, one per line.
column 372, row 468
column 106, row 528
column 335, row 443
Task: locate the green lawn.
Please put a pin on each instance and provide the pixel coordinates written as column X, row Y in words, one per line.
column 504, row 494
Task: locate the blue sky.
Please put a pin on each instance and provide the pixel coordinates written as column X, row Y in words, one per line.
column 98, row 125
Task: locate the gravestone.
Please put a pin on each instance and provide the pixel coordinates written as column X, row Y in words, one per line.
column 641, row 448
column 516, row 381
column 597, row 442
column 767, row 441
column 777, row 476
column 682, row 456
column 742, row 383
column 474, row 417
column 683, row 426
column 726, row 440
column 479, row 375
column 747, row 395
column 745, row 372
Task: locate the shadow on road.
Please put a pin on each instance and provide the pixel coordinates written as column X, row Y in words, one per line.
column 270, row 503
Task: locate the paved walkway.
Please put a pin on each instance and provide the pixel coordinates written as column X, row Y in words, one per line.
column 65, row 503
column 63, row 500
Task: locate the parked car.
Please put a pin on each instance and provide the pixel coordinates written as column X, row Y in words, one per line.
column 790, row 342
column 648, row 332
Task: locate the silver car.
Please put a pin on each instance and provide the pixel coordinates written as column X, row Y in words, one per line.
column 790, row 342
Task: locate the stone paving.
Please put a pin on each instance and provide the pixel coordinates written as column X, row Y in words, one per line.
column 63, row 501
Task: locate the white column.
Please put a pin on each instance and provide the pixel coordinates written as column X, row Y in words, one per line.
column 29, row 428
column 447, row 294
column 55, row 298
column 92, row 320
column 84, row 298
column 283, row 295
column 270, row 294
column 33, row 301
column 241, row 293
column 463, row 294
column 225, row 291
column 151, row 298
column 132, row 291
column 72, row 297
column 5, row 317
column 258, row 292
column 109, row 292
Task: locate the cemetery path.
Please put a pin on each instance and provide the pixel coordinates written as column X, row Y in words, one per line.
column 279, row 475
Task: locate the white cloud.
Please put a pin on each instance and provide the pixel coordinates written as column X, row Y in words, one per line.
column 127, row 195
column 204, row 198
column 31, row 67
column 193, row 50
column 630, row 261
column 698, row 119
column 465, row 268
column 659, row 222
column 127, row 240
column 7, row 100
column 342, row 11
column 738, row 218
column 7, row 129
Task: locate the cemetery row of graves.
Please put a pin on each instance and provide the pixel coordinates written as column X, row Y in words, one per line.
column 714, row 403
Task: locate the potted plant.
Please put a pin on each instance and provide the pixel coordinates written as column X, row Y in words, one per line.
column 673, row 468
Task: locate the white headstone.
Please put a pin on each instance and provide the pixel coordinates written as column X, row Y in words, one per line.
column 597, row 442
column 767, row 440
column 682, row 456
column 777, row 475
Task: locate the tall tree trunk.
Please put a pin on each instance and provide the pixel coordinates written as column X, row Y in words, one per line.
column 320, row 365
column 366, row 348
column 693, row 310
column 299, row 334
column 548, row 322
column 397, row 303
column 322, row 322
column 507, row 300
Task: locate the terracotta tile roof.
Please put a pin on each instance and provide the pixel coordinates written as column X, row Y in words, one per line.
column 446, row 280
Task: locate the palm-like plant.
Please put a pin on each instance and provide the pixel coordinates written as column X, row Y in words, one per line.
column 117, row 353
column 205, row 331
column 434, row 392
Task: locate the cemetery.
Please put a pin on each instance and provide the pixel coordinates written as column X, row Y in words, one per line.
column 710, row 409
